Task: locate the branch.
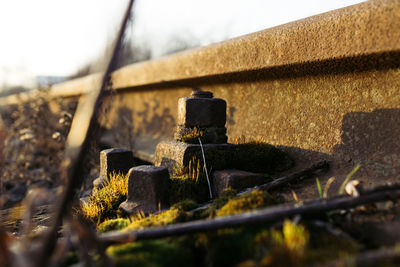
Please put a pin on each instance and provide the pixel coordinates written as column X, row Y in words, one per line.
column 284, row 180
column 266, row 215
column 83, row 130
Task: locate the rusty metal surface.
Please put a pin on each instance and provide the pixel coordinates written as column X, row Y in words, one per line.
column 325, row 87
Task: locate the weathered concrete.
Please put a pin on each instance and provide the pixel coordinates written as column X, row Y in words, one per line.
column 113, row 160
column 176, row 154
column 255, row 158
column 147, row 189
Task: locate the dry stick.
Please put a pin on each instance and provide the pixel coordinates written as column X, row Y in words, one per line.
column 82, row 131
column 282, row 181
column 265, row 215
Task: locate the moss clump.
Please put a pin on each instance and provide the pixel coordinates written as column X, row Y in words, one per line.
column 327, row 246
column 283, row 248
column 190, row 135
column 113, row 224
column 150, row 253
column 104, row 203
column 186, row 205
column 246, row 202
column 189, row 182
column 184, row 187
column 70, row 258
column 173, row 215
column 228, row 247
column 254, row 156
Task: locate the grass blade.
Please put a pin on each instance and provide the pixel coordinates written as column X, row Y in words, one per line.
column 341, row 189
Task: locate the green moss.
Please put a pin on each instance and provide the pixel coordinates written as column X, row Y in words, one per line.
column 70, row 258
column 228, row 247
column 286, row 247
column 173, row 215
column 114, row 224
column 186, row 205
column 185, row 187
column 256, row 157
column 150, row 253
column 246, row 202
column 325, row 245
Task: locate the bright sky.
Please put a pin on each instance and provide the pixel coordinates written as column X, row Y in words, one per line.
column 56, row 37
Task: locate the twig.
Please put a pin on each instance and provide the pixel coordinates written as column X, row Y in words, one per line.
column 205, row 167
column 265, row 215
column 282, row 181
column 82, row 131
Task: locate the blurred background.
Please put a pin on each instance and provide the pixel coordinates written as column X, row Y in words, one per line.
column 49, row 41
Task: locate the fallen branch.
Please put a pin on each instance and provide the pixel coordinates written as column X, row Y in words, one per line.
column 266, row 215
column 83, row 130
column 284, row 180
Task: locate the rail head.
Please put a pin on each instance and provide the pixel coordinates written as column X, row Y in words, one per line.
column 364, row 29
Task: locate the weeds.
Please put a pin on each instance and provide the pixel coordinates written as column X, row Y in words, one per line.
column 192, row 171
column 321, row 195
column 191, row 135
column 104, row 202
column 342, row 187
column 246, row 202
column 327, row 186
column 36, row 133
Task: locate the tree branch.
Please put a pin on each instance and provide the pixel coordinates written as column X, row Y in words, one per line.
column 83, row 130
column 266, row 215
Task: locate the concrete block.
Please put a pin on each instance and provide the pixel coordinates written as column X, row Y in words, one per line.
column 235, row 179
column 261, row 158
column 175, row 154
column 118, row 160
column 147, row 189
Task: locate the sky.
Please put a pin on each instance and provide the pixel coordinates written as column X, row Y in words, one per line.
column 56, row 37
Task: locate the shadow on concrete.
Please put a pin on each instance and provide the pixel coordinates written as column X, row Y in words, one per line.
column 155, row 121
column 371, row 139
column 139, row 130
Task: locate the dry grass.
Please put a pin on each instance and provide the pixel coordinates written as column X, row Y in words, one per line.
column 35, row 139
column 104, row 203
column 194, row 170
